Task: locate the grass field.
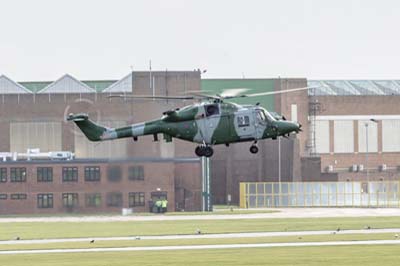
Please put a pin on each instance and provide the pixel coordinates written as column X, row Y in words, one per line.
column 37, row 230
column 326, row 255
column 387, row 255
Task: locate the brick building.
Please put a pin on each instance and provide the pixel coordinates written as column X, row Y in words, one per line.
column 357, row 128
column 32, row 116
column 94, row 185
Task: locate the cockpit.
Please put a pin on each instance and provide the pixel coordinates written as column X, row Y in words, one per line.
column 263, row 116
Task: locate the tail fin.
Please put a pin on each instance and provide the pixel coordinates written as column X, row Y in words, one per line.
column 92, row 131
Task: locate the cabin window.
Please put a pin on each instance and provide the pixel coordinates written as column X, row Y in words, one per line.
column 243, row 121
column 261, row 116
column 212, row 109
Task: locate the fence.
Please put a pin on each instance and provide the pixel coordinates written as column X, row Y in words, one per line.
column 320, row 194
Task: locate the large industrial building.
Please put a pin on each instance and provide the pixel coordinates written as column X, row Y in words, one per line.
column 350, row 132
column 125, row 172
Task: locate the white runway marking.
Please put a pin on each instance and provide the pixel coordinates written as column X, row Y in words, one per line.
column 203, row 236
column 196, row 247
column 283, row 213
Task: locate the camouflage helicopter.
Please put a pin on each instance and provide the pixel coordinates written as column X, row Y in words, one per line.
column 211, row 121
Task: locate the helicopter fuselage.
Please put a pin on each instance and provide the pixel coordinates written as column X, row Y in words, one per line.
column 207, row 123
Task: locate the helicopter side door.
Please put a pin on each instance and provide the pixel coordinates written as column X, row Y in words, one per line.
column 216, row 127
column 261, row 123
column 244, row 124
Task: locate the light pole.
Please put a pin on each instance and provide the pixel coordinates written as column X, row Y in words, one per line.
column 366, row 140
column 279, row 168
column 366, row 153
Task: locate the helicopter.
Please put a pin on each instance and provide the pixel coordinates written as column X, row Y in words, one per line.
column 212, row 121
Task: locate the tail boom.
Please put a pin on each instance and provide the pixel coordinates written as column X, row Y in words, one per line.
column 96, row 132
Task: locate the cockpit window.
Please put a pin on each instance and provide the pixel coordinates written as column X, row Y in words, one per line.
column 261, row 116
column 268, row 116
column 212, row 109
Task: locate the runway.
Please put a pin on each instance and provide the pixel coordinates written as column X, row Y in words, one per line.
column 202, row 236
column 282, row 213
column 200, row 247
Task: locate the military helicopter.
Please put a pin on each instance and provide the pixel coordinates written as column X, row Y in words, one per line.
column 211, row 121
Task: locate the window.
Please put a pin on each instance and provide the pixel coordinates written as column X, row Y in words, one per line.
column 3, row 175
column 367, row 130
column 243, row 121
column 260, row 116
column 45, row 174
column 136, row 199
column 158, row 195
column 212, row 109
column 44, row 201
column 114, row 199
column 93, row 200
column 18, row 174
column 390, row 135
column 114, row 173
column 343, row 137
column 92, row 173
column 3, row 196
column 70, row 200
column 322, row 136
column 18, row 196
column 70, row 174
column 136, row 172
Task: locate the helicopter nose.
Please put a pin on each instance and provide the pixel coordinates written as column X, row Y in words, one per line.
column 298, row 128
column 294, row 127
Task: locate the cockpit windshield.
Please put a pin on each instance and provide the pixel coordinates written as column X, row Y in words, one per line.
column 269, row 116
column 263, row 115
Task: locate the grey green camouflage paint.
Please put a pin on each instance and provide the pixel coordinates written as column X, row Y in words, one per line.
column 193, row 123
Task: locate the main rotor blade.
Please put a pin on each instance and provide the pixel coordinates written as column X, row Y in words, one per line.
column 200, row 95
column 229, row 93
column 225, row 94
column 150, row 97
column 275, row 92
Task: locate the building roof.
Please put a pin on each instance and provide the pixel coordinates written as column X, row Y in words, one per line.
column 122, row 85
column 354, row 87
column 67, row 84
column 8, row 86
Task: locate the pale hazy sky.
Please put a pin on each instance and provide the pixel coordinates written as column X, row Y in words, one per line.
column 342, row 39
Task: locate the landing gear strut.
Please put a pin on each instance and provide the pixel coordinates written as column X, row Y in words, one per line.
column 253, row 149
column 202, row 150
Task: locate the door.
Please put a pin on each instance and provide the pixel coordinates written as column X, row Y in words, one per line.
column 244, row 124
column 216, row 125
column 260, row 123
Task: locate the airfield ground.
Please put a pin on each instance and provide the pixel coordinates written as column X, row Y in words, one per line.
column 320, row 241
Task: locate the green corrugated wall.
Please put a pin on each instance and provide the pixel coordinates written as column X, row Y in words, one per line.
column 214, row 86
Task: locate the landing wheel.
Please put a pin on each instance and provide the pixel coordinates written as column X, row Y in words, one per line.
column 253, row 149
column 204, row 151
column 199, row 151
column 208, row 151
